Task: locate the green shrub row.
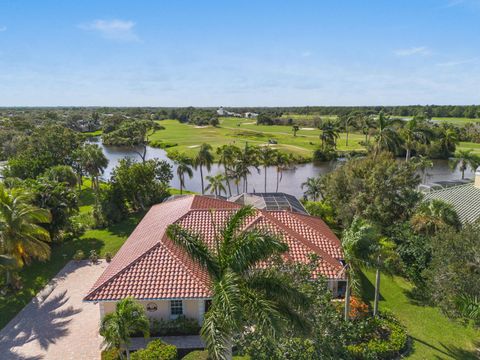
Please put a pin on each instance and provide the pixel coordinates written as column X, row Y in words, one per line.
column 180, row 326
column 156, row 350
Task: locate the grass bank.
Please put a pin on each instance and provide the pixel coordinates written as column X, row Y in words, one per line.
column 434, row 335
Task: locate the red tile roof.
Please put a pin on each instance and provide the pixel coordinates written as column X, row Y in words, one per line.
column 150, row 266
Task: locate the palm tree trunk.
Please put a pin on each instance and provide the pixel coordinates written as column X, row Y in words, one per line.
column 228, row 181
column 181, row 184
column 346, row 138
column 128, row 352
column 347, row 301
column 238, row 188
column 201, row 179
column 377, row 293
column 407, row 157
column 278, row 180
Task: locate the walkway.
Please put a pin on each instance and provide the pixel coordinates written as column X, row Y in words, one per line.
column 57, row 324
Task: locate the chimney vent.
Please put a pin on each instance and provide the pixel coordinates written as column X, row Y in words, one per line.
column 477, row 178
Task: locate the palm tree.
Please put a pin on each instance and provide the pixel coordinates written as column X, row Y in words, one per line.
column 21, row 236
column 463, row 159
column 386, row 138
column 349, row 120
column 281, row 161
column 204, row 158
column 243, row 294
column 313, row 187
column 412, row 134
column 433, row 215
column 127, row 319
column 266, row 157
column 227, row 155
column 330, row 133
column 448, row 139
column 422, row 163
column 469, row 306
column 295, row 129
column 93, row 162
column 215, row 184
column 248, row 158
column 357, row 244
column 184, row 166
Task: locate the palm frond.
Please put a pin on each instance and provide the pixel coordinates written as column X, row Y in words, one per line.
column 195, row 247
column 233, row 225
column 254, row 246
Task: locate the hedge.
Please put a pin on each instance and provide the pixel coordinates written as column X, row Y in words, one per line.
column 156, row 350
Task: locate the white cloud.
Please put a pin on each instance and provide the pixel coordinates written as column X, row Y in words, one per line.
column 119, row 30
column 419, row 50
column 3, row 28
column 458, row 62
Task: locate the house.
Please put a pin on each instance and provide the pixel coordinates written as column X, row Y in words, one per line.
column 150, row 268
column 465, row 198
column 250, row 115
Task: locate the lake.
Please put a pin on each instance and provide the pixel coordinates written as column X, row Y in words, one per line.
column 291, row 181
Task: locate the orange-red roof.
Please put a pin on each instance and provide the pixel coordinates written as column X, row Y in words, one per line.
column 150, row 266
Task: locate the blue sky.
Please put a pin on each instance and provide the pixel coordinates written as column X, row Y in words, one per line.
column 239, row 53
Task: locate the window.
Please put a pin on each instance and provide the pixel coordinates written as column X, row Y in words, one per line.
column 176, row 307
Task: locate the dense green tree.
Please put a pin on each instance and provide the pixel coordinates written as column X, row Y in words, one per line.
column 243, row 295
column 47, row 146
column 142, row 184
column 118, row 327
column 63, row 174
column 454, row 271
column 377, row 188
column 295, row 129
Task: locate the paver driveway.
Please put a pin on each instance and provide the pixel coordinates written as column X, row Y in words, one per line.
column 60, row 325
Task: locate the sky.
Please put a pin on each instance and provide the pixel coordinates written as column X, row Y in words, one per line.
column 239, row 52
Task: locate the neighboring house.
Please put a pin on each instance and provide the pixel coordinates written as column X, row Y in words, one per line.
column 465, row 199
column 250, row 115
column 161, row 276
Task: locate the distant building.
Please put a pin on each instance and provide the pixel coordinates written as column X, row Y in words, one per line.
column 465, row 198
column 250, row 115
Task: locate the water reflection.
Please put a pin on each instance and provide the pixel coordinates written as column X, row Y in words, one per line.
column 291, row 180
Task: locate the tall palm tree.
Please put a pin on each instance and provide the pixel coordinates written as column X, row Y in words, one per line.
column 413, row 133
column 448, row 139
column 118, row 327
column 226, row 157
column 21, row 236
column 357, row 244
column 204, row 158
column 184, row 167
column 282, row 161
column 215, row 184
column 93, row 162
column 266, row 157
column 387, row 137
column 348, row 121
column 433, row 215
column 313, row 187
column 422, row 163
column 243, row 294
column 248, row 158
column 464, row 159
column 330, row 133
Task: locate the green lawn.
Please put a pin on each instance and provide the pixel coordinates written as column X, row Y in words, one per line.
column 238, row 131
column 434, row 336
column 469, row 146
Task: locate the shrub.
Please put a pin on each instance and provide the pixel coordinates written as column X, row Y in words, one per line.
column 112, row 354
column 196, row 355
column 324, row 155
column 108, row 256
column 79, row 255
column 93, row 256
column 379, row 338
column 156, row 350
column 180, row 326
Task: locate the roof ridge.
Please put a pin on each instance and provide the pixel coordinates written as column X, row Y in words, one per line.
column 325, row 256
column 451, row 188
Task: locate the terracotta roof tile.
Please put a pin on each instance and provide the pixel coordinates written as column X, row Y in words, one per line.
column 150, row 266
